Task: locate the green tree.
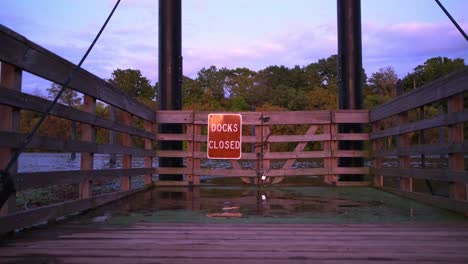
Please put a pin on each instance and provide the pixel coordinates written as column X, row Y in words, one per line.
column 133, row 84
column 381, row 87
column 69, row 97
column 214, row 81
column 432, row 69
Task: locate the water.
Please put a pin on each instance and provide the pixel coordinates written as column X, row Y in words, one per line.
column 267, row 205
column 31, row 162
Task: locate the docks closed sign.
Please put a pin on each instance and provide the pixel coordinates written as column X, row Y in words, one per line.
column 224, row 136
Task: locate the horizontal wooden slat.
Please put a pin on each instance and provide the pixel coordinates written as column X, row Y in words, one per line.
column 169, row 170
column 426, row 149
column 19, row 51
column 28, row 180
column 173, row 137
column 427, row 174
column 441, row 202
column 297, row 155
column 298, row 172
column 442, row 88
column 350, row 170
column 13, row 140
column 298, row 117
column 442, row 120
column 225, row 172
column 351, row 136
column 298, row 138
column 30, row 102
column 174, row 117
column 350, row 153
column 51, row 212
column 350, row 116
column 173, row 153
column 248, row 118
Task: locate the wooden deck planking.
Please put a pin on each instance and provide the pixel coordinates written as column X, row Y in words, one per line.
column 247, row 243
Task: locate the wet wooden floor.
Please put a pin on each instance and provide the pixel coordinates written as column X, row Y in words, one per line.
column 240, row 243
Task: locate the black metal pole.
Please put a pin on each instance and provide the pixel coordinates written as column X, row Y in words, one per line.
column 170, row 77
column 350, row 75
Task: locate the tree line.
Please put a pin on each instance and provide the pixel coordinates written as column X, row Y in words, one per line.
column 274, row 88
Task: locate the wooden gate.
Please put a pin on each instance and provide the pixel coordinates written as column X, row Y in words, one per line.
column 275, row 145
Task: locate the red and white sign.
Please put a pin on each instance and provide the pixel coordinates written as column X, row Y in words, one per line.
column 224, row 136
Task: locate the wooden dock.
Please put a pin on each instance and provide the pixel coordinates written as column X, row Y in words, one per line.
column 241, row 243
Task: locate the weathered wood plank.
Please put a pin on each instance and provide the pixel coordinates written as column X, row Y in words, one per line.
column 173, row 153
column 88, row 133
column 442, row 120
column 10, row 78
column 19, row 51
column 173, row 137
column 297, row 155
column 350, row 116
column 332, row 146
column 406, row 182
column 428, row 174
column 378, row 161
column 51, row 212
column 350, row 136
column 149, row 128
column 11, row 139
column 29, row 180
column 225, row 172
column 248, row 118
column 37, row 104
column 298, row 138
column 298, row 172
column 169, row 170
column 458, row 190
column 351, row 170
column 424, row 149
column 247, row 243
column 298, row 117
column 174, row 117
column 350, row 153
column 449, row 85
column 126, row 181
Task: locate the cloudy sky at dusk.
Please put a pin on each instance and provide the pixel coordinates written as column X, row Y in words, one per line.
column 237, row 33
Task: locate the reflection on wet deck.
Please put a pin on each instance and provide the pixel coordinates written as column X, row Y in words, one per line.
column 265, row 205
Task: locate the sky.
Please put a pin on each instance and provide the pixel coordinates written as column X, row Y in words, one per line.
column 236, row 33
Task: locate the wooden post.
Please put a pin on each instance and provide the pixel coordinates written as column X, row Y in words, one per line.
column 266, row 149
column 148, row 159
column 197, row 130
column 9, row 121
column 258, row 151
column 88, row 133
column 190, row 148
column 125, row 181
column 406, row 183
column 376, row 147
column 112, row 136
column 331, row 145
column 456, row 160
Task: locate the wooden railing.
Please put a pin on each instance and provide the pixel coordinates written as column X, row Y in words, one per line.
column 286, row 138
column 423, row 130
column 17, row 54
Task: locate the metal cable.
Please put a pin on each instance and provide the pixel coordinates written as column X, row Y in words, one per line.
column 452, row 19
column 5, row 179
